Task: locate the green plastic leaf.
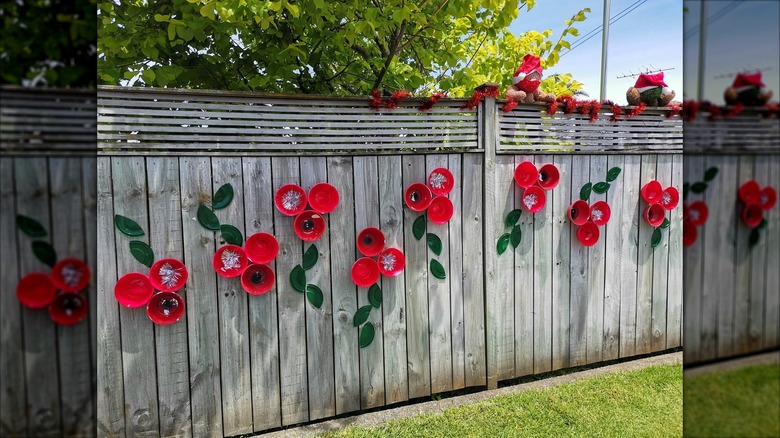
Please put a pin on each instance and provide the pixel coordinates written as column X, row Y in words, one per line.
column 754, row 235
column 503, row 243
column 418, row 228
column 762, row 224
column 710, row 174
column 314, row 295
column 699, row 187
column 366, row 335
column 375, row 295
column 437, row 270
column 361, row 315
column 665, row 224
column 44, row 252
column 30, row 226
column 207, row 218
column 601, row 187
column 298, row 278
column 127, row 226
column 686, row 189
column 231, row 235
column 142, row 252
column 515, row 236
column 434, row 243
column 310, row 257
column 612, row 174
column 656, row 238
column 512, row 217
column 223, row 197
column 585, row 191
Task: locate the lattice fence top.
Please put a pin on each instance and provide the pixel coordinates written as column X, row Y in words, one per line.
column 529, row 128
column 748, row 132
column 40, row 120
column 189, row 120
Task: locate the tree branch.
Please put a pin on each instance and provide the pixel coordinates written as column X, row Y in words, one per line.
column 363, row 54
column 392, row 52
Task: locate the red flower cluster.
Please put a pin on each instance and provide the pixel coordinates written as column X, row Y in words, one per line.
column 389, row 262
column 694, row 215
column 59, row 291
column 659, row 200
column 589, row 218
column 536, row 182
column 309, row 225
column 756, row 200
column 391, row 103
column 431, row 101
column 250, row 262
column 166, row 276
column 433, row 196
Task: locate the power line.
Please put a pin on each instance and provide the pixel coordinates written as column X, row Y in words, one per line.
column 613, row 20
column 715, row 17
column 598, row 28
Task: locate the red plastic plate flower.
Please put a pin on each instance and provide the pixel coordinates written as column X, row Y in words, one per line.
column 70, row 275
column 165, row 308
column 68, row 308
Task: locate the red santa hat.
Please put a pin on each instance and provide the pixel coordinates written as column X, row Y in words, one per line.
column 530, row 63
column 744, row 81
column 649, row 81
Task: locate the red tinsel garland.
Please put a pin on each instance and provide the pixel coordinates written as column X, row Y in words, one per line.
column 772, row 110
column 690, row 109
column 431, row 101
column 714, row 112
column 395, row 99
column 509, row 105
column 674, row 109
column 376, row 100
column 637, row 110
column 552, row 107
column 734, row 110
column 595, row 109
column 616, row 111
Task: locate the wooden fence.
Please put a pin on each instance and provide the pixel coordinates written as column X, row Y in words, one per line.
column 47, row 172
column 238, row 363
column 732, row 289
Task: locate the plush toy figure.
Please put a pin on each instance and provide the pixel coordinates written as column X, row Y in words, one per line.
column 747, row 89
column 526, row 82
column 650, row 89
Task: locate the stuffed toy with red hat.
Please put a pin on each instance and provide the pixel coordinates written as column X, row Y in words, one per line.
column 526, row 82
column 650, row 89
column 747, row 89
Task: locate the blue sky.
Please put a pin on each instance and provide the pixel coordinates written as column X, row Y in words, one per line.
column 649, row 36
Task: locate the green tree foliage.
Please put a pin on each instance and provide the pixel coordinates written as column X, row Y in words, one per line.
column 316, row 46
column 48, row 42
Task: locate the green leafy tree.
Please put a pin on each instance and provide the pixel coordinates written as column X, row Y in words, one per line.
column 48, row 42
column 314, row 46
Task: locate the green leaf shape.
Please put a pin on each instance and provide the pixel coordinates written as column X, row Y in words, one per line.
column 366, row 335
column 310, row 257
column 30, row 226
column 44, row 252
column 419, row 227
column 223, row 197
column 127, row 226
column 665, row 224
column 710, row 174
column 762, row 224
column 585, row 191
column 314, row 295
column 298, row 278
column 656, row 238
column 612, row 174
column 686, row 189
column 437, row 270
column 434, row 243
column 754, row 236
column 142, row 252
column 503, row 243
column 231, row 234
column 361, row 315
column 699, row 187
column 207, row 218
column 515, row 236
column 601, row 187
column 512, row 217
column 375, row 295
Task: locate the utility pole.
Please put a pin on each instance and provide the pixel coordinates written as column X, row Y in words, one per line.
column 702, row 49
column 604, row 40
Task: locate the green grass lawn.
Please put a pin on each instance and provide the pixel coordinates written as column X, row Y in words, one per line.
column 643, row 403
column 738, row 403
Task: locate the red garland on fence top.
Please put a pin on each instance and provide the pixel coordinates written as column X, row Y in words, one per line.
column 391, row 103
column 478, row 95
column 431, row 101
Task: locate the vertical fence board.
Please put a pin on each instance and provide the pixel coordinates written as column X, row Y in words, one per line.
column 772, row 236
column 758, row 257
column 614, row 258
column 393, row 297
column 722, row 223
column 138, row 356
column 661, row 265
column 263, row 324
column 165, row 236
column 345, row 335
column 675, row 290
column 89, row 220
column 492, row 201
column 13, row 420
column 292, row 323
column 202, row 307
column 519, row 299
column 67, row 238
column 505, row 308
column 416, row 273
column 578, row 309
column 644, row 286
column 110, row 390
column 319, row 323
column 455, row 269
column 628, row 228
column 596, row 271
column 692, row 285
column 742, row 297
column 372, row 390
column 561, row 197
column 542, row 279
column 473, row 286
column 712, row 243
column 439, row 299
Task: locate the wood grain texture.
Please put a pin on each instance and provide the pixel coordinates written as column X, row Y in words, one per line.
column 772, row 236
column 692, row 283
column 578, row 310
column 491, row 230
column 746, row 172
column 562, row 239
column 675, row 277
column 715, row 247
column 758, row 270
column 504, row 306
column 614, row 259
column 519, row 299
column 89, row 225
column 630, row 214
column 542, row 279
column 723, row 222
column 644, row 287
column 473, row 275
column 456, row 248
column 596, row 270
column 661, row 265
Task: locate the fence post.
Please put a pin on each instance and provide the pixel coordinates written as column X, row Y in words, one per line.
column 489, row 126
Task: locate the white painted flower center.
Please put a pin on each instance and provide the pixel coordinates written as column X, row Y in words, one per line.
column 291, row 200
column 71, row 275
column 387, row 261
column 529, row 201
column 596, row 214
column 437, row 180
column 169, row 276
column 764, row 199
column 230, row 260
column 666, row 199
column 694, row 215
